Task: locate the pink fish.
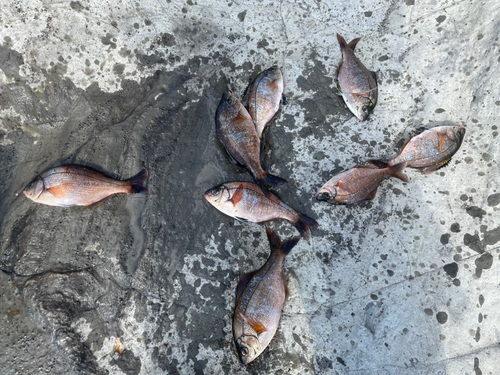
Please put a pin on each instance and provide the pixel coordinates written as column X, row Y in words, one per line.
column 76, row 185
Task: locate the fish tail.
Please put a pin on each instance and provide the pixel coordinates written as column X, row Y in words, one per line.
column 304, row 225
column 272, row 180
column 263, row 186
column 352, row 43
column 137, row 183
column 277, row 245
column 342, row 42
column 396, row 171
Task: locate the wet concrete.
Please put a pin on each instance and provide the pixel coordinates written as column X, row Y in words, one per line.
column 404, row 284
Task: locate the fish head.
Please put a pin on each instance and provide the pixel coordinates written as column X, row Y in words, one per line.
column 458, row 133
column 217, row 195
column 34, row 189
column 249, row 348
column 362, row 104
column 228, row 109
column 274, row 73
column 326, row 194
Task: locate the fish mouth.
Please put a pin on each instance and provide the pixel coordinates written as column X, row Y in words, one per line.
column 363, row 116
column 323, row 196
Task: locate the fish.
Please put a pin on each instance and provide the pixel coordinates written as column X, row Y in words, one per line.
column 246, row 202
column 77, row 185
column 430, row 150
column 236, row 132
column 263, row 96
column 357, row 85
column 358, row 184
column 260, row 296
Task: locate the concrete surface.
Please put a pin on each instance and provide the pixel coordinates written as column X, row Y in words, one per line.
column 405, row 284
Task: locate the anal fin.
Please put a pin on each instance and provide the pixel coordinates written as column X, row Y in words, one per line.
column 372, row 195
column 231, row 158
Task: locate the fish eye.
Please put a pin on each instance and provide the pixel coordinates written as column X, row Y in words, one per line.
column 244, row 351
column 365, row 108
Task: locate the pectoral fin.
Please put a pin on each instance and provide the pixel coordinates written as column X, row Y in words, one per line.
column 441, row 137
column 255, row 324
column 240, row 117
column 58, row 191
column 237, row 196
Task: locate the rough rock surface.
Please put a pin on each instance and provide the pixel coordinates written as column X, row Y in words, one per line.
column 404, row 284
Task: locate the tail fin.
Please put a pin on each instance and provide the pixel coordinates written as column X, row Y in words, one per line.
column 304, row 225
column 352, row 43
column 343, row 44
column 396, row 171
column 272, row 180
column 276, row 245
column 137, row 183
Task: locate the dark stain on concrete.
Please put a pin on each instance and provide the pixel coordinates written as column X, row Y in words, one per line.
column 442, row 317
column 484, row 262
column 444, row 238
column 451, row 269
column 476, row 212
column 10, row 61
column 494, row 200
column 128, row 363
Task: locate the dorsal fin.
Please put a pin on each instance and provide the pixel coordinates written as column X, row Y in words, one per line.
column 238, row 195
column 444, row 164
column 242, row 284
column 255, row 324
